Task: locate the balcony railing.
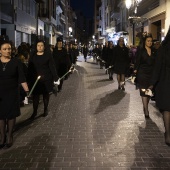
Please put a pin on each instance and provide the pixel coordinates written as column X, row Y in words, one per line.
column 59, row 28
column 62, row 17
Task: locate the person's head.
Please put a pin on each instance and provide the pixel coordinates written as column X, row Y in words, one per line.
column 40, row 46
column 148, row 40
column 157, row 44
column 5, row 49
column 106, row 43
column 59, row 43
column 110, row 44
column 121, row 42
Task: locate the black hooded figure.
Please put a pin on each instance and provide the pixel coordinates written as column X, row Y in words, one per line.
column 161, row 81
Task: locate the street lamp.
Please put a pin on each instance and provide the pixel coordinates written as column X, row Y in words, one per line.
column 132, row 3
column 129, row 4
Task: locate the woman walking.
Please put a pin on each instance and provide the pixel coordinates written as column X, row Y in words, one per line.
column 11, row 76
column 122, row 62
column 41, row 64
column 144, row 69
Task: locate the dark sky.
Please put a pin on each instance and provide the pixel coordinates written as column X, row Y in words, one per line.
column 86, row 6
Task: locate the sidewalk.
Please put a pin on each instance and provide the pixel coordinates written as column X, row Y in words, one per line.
column 91, row 126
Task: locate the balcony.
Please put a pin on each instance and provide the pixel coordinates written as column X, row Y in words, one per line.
column 62, row 17
column 115, row 15
column 5, row 18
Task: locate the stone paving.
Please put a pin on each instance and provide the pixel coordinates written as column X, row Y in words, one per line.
column 91, row 126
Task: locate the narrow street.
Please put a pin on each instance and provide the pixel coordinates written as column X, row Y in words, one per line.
column 91, row 126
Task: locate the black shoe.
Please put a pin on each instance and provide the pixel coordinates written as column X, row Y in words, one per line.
column 123, row 88
column 146, row 114
column 119, row 87
column 8, row 145
column 33, row 115
column 147, row 117
column 110, row 78
column 2, row 146
column 45, row 113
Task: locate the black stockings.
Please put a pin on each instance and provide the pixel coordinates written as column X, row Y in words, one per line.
column 166, row 119
column 46, row 98
column 36, row 99
column 145, row 101
column 7, row 126
column 120, row 78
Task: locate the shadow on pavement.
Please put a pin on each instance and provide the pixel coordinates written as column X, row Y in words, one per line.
column 99, row 83
column 106, row 119
column 35, row 154
column 25, row 123
column 151, row 151
column 109, row 100
column 104, row 80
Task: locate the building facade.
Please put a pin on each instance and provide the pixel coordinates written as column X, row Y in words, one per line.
column 28, row 20
column 113, row 19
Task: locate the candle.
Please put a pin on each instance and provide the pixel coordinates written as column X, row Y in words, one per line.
column 34, row 86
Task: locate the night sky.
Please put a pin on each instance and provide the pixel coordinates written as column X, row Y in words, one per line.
column 86, row 6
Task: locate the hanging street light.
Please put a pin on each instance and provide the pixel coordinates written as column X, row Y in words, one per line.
column 133, row 4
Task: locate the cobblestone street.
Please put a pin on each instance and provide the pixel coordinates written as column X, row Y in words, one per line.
column 91, row 126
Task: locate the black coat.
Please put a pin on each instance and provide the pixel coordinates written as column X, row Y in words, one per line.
column 122, row 60
column 144, row 66
column 161, row 79
column 110, row 56
column 62, row 61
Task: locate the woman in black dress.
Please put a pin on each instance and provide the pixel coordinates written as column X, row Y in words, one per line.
column 61, row 60
column 122, row 62
column 41, row 64
column 11, row 76
column 144, row 69
column 161, row 80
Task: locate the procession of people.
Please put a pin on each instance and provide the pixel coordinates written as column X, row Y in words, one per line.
column 32, row 71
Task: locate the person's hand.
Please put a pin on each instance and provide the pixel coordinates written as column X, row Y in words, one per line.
column 57, row 82
column 135, row 71
column 148, row 92
column 110, row 66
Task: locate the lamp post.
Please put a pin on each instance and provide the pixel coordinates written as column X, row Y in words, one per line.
column 132, row 4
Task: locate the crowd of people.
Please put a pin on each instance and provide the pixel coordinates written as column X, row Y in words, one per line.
column 149, row 63
column 36, row 70
column 22, row 68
